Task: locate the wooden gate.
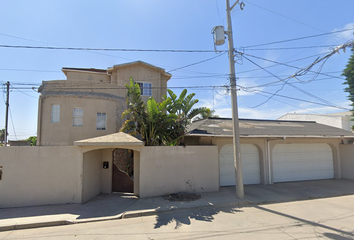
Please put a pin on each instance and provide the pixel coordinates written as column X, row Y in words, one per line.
column 122, row 179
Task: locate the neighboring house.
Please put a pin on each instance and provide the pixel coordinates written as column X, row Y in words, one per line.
column 340, row 120
column 275, row 151
column 19, row 143
column 89, row 103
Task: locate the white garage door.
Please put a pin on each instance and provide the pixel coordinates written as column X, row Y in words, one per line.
column 250, row 165
column 296, row 162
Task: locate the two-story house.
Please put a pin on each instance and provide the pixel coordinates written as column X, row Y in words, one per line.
column 89, row 103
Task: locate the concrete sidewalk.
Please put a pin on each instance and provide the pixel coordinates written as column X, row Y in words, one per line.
column 116, row 206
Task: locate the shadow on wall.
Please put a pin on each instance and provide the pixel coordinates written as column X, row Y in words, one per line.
column 184, row 217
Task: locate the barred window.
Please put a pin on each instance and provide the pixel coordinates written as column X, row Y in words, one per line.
column 55, row 113
column 101, row 121
column 78, row 117
column 145, row 88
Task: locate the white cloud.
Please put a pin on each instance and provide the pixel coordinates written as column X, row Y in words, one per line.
column 346, row 35
column 341, row 37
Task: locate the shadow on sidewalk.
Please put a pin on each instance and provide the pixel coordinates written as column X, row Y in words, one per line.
column 183, row 217
column 103, row 205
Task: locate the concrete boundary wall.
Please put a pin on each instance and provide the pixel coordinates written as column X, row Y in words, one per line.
column 165, row 170
column 40, row 175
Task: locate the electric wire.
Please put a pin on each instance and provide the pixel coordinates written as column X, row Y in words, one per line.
column 192, row 64
column 299, row 38
column 22, row 92
column 286, row 82
column 302, row 100
column 13, row 126
column 110, row 49
column 287, row 65
column 294, row 20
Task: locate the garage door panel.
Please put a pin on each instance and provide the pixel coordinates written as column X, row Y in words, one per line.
column 296, row 162
column 250, row 165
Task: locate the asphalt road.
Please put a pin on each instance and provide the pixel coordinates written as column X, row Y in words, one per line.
column 327, row 218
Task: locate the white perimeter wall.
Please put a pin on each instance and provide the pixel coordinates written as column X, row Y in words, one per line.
column 165, row 170
column 40, row 175
column 347, row 161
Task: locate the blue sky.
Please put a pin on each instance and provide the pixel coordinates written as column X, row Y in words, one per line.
column 184, row 25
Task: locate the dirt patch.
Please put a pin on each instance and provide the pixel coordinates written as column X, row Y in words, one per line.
column 182, row 197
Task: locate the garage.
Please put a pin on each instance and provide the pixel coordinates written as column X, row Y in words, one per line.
column 250, row 165
column 298, row 162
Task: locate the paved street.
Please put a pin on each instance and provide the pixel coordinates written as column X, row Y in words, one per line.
column 327, row 218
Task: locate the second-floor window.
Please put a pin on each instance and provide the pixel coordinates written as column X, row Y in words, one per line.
column 145, row 88
column 78, row 117
column 101, row 121
column 55, row 113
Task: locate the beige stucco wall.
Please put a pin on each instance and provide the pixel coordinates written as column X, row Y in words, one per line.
column 347, row 160
column 141, row 74
column 95, row 92
column 165, row 170
column 64, row 133
column 265, row 147
column 91, row 183
column 76, row 76
column 106, row 173
column 40, row 175
column 97, row 179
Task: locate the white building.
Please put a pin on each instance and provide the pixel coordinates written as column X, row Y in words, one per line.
column 339, row 120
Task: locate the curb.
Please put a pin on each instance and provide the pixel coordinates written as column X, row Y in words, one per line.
column 35, row 225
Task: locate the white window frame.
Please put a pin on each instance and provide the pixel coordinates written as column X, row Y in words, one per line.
column 145, row 88
column 100, row 116
column 78, row 117
column 55, row 113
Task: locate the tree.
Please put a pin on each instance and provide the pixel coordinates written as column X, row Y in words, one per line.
column 207, row 114
column 162, row 123
column 182, row 107
column 150, row 121
column 32, row 140
column 2, row 136
column 348, row 72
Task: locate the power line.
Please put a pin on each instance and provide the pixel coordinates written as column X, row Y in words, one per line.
column 13, row 126
column 284, row 64
column 110, row 49
column 290, row 48
column 197, row 62
column 299, row 38
column 286, row 81
column 294, row 20
column 302, row 100
column 26, row 70
column 23, row 92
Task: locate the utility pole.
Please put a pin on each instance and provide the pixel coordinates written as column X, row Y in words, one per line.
column 236, row 131
column 7, row 111
column 219, row 35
